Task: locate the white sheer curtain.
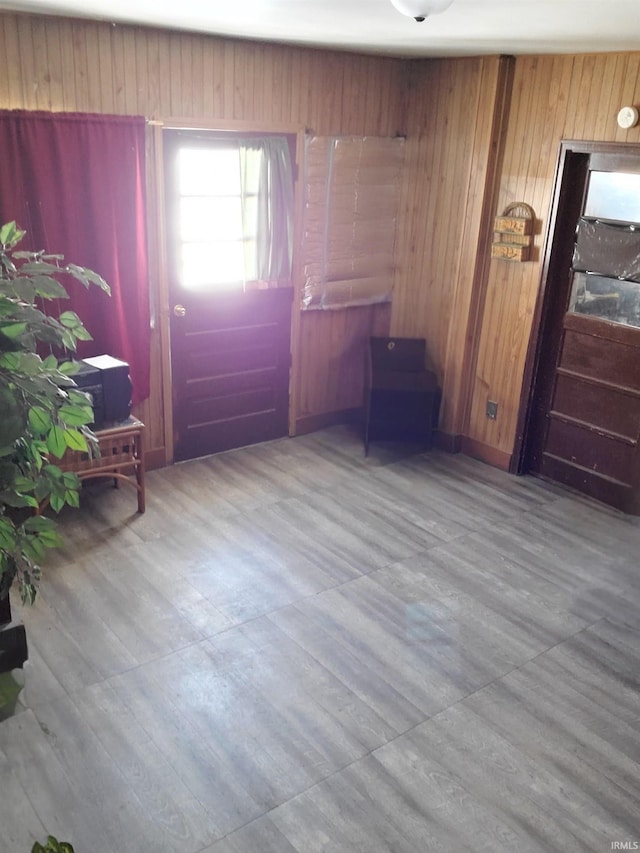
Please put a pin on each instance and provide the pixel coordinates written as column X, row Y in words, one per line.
column 266, row 177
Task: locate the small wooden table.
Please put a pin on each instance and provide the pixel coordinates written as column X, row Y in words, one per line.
column 121, row 457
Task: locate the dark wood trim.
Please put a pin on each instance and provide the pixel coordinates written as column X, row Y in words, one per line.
column 447, row 441
column 614, row 161
column 598, row 327
column 486, row 453
column 601, row 487
column 565, row 163
column 601, row 383
column 494, row 154
column 589, row 427
column 312, row 423
column 568, row 167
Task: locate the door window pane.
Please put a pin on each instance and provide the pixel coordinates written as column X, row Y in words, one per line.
column 606, row 298
column 212, row 263
column 208, row 171
column 613, row 195
column 213, row 219
column 217, row 215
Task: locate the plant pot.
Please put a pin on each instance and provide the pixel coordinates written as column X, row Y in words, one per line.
column 11, row 686
column 13, row 640
column 5, row 610
column 13, row 654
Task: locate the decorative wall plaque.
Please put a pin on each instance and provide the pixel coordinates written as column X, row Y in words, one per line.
column 513, row 233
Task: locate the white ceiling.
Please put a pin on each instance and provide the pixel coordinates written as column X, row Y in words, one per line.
column 468, row 27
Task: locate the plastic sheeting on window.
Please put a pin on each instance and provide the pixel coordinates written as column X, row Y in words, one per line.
column 607, row 248
column 352, row 190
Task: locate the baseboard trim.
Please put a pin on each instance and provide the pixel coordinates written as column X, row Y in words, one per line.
column 486, row 453
column 447, row 441
column 312, row 423
column 154, row 459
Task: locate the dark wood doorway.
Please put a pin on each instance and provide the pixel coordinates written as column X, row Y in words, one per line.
column 230, row 331
column 583, row 416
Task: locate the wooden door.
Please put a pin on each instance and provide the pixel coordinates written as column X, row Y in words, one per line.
column 230, row 337
column 585, row 418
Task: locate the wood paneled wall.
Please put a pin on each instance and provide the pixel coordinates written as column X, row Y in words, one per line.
column 554, row 98
column 481, row 136
column 334, row 351
column 481, row 133
column 455, row 116
column 58, row 64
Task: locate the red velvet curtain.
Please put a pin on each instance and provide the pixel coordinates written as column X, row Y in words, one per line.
column 76, row 184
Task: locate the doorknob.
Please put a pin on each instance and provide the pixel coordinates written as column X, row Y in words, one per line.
column 179, row 310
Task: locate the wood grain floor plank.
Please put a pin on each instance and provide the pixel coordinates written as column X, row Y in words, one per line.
column 260, row 836
column 195, row 761
column 388, row 703
column 55, row 796
column 97, row 779
column 20, row 823
column 526, row 799
column 165, row 803
column 300, row 648
column 415, row 807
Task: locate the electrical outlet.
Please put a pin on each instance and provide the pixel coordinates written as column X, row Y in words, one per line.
column 492, row 409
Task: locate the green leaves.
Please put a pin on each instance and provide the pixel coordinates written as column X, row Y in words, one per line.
column 13, row 330
column 7, row 535
column 10, row 235
column 46, row 286
column 70, row 320
column 39, row 420
column 68, row 368
column 75, row 440
column 76, row 415
column 52, row 846
column 88, row 277
column 55, row 441
column 62, row 487
column 26, row 363
column 42, row 414
column 45, row 529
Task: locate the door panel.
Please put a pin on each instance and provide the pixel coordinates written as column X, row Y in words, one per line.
column 586, row 447
column 591, row 441
column 611, row 492
column 230, row 364
column 585, row 418
column 591, row 349
column 613, row 408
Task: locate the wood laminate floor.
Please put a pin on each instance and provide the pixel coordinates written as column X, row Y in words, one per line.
column 300, row 649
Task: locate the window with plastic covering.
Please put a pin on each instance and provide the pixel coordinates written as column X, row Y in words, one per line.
column 352, row 189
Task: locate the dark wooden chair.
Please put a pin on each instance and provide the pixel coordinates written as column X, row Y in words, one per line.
column 402, row 396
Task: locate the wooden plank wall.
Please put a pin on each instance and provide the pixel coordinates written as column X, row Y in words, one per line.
column 455, row 113
column 59, row 64
column 554, row 98
column 448, row 108
column 443, row 277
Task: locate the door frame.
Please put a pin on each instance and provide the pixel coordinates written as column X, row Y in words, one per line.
column 572, row 160
column 160, row 228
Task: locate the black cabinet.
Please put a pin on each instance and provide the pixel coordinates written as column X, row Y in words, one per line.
column 402, row 396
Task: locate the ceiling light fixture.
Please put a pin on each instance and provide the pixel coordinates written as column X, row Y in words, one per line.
column 421, row 9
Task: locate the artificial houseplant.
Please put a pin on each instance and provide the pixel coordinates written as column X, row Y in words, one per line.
column 42, row 413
